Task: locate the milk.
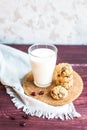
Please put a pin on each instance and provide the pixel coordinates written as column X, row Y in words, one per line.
column 43, row 61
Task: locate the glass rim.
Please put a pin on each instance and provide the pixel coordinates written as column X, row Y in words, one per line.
column 50, row 45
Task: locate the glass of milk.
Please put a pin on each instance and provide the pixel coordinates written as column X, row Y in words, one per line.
column 43, row 60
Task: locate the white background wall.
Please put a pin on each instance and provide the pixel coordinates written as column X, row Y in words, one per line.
column 43, row 21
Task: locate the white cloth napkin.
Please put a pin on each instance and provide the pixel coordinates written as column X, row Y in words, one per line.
column 14, row 64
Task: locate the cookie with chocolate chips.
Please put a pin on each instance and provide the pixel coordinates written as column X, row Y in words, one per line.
column 58, row 92
column 64, row 69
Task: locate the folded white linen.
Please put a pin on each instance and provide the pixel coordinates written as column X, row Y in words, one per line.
column 14, row 64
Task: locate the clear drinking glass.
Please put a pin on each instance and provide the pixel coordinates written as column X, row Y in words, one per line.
column 43, row 60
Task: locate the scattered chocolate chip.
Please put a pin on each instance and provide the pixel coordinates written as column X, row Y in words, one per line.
column 22, row 123
column 41, row 92
column 33, row 93
column 12, row 117
column 25, row 116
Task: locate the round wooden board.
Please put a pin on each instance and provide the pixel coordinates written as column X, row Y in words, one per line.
column 74, row 91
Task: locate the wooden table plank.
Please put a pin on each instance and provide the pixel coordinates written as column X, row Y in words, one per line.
column 75, row 55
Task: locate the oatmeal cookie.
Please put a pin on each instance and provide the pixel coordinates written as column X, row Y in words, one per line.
column 58, row 92
column 67, row 85
column 64, row 69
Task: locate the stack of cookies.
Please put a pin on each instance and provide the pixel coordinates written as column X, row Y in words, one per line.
column 63, row 79
column 64, row 75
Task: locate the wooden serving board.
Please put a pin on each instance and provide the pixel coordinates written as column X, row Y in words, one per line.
column 73, row 93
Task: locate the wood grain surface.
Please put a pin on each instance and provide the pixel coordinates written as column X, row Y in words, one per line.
column 14, row 119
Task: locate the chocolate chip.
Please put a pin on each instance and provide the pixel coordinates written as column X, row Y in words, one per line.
column 22, row 123
column 12, row 117
column 25, row 116
column 63, row 70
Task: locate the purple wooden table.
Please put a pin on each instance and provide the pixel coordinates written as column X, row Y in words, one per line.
column 10, row 117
